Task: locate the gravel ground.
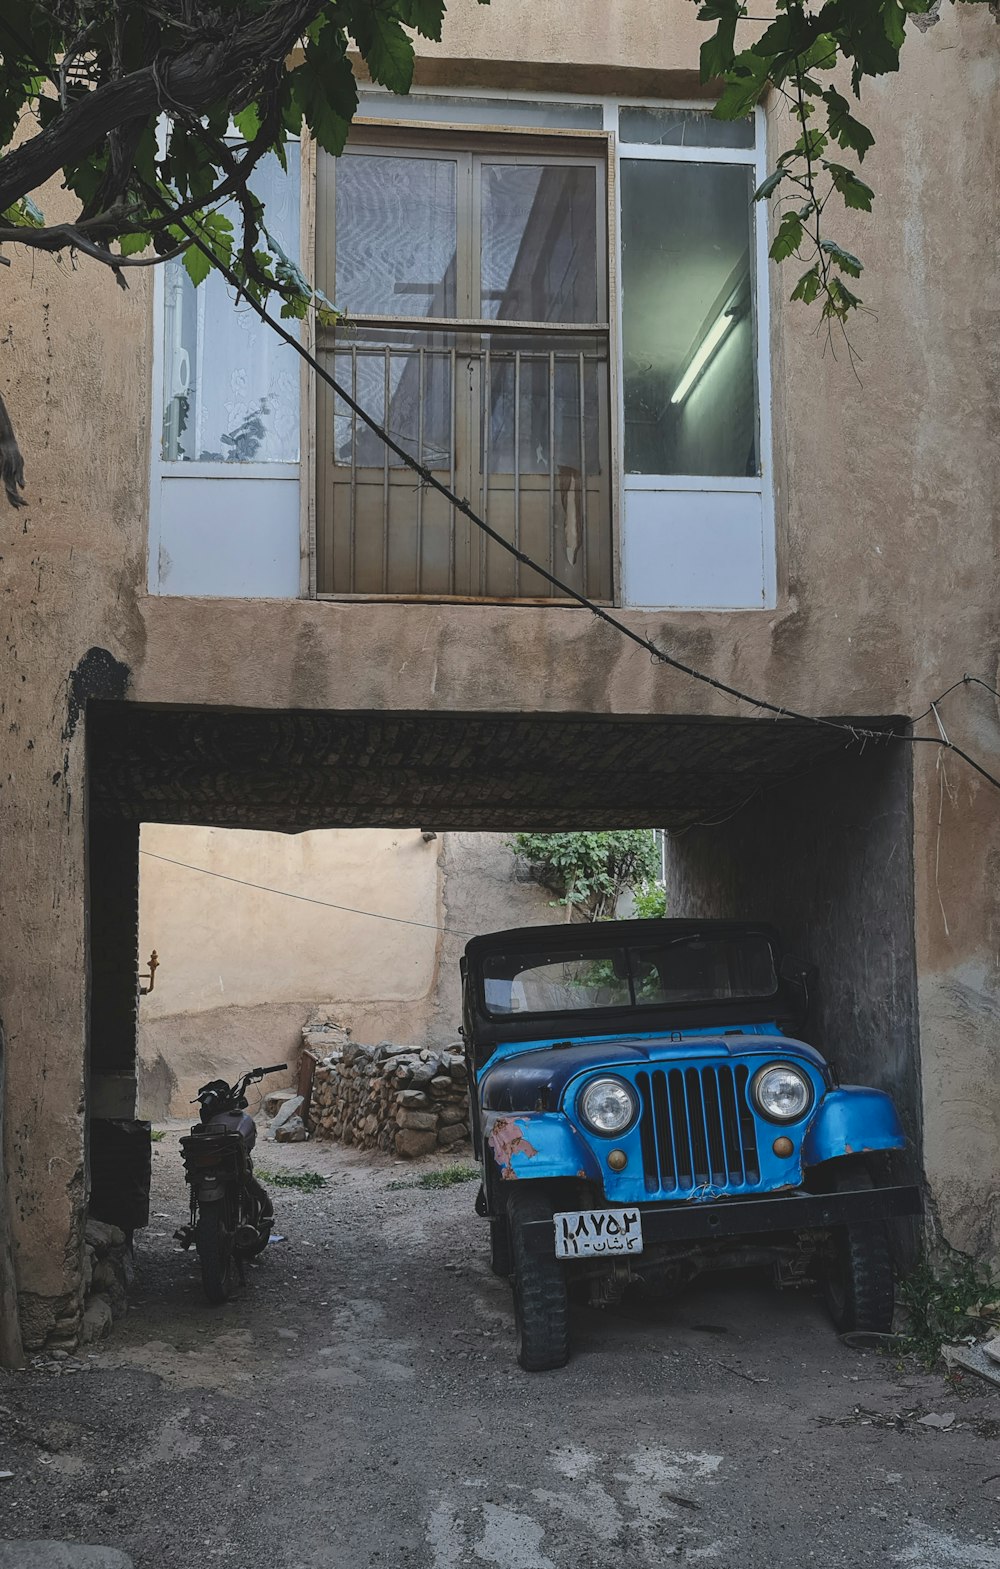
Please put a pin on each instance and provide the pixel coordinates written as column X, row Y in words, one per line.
column 358, row 1404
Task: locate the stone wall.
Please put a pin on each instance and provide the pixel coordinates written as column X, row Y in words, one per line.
column 401, row 1099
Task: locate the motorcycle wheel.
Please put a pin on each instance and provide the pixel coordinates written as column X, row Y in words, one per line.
column 214, row 1242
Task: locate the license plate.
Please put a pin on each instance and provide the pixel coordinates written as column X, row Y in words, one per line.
column 593, row 1233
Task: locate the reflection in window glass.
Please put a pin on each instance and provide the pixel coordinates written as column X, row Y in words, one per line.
column 539, row 242
column 556, row 983
column 696, row 969
column 231, row 388
column 688, row 319
column 403, row 379
column 546, row 391
column 396, row 236
column 682, row 128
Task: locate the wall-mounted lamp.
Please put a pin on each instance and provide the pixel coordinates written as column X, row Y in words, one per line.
column 704, row 352
column 150, row 976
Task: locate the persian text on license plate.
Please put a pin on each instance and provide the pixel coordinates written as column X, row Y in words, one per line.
column 589, row 1233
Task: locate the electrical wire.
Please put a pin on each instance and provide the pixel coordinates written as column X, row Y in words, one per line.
column 328, row 904
column 778, row 710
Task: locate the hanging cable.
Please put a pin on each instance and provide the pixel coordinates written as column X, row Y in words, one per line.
column 855, row 733
column 328, row 904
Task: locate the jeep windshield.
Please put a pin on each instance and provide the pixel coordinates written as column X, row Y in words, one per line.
column 695, row 967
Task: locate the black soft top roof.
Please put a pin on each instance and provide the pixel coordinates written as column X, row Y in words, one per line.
column 490, row 1030
column 599, row 934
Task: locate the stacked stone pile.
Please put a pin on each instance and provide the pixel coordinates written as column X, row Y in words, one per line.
column 394, row 1098
column 107, row 1277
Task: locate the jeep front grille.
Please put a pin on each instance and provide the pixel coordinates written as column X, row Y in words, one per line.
column 697, row 1129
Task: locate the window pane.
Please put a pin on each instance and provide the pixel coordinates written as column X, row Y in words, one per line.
column 683, row 128
column 556, row 983
column 231, row 387
column 455, row 110
column 415, row 368
column 539, row 242
column 688, row 320
column 694, row 968
column 396, row 228
column 547, row 390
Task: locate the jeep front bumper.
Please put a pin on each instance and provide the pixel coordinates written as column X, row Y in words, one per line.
column 716, row 1219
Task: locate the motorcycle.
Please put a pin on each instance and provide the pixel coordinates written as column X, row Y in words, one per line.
column 231, row 1213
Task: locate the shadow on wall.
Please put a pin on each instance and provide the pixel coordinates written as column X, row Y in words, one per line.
column 828, row 859
column 242, row 967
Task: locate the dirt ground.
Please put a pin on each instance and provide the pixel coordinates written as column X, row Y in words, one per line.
column 358, row 1404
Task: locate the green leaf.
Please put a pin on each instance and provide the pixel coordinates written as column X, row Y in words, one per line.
column 385, row 49
column 325, row 90
column 745, row 82
column 719, row 51
column 855, row 192
column 424, row 16
column 808, row 287
column 131, row 244
column 842, row 259
column 24, row 215
column 768, row 187
column 196, row 264
column 842, row 125
column 248, row 122
column 821, row 56
column 788, row 238
column 839, row 300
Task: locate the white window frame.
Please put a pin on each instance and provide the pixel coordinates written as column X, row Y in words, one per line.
column 762, row 485
column 224, row 509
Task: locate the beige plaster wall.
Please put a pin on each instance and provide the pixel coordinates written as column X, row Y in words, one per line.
column 241, row 968
column 887, row 485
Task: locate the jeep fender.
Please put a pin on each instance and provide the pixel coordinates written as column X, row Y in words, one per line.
column 534, row 1144
column 853, row 1120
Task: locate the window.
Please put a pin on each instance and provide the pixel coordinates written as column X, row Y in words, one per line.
column 473, row 276
column 557, row 305
column 230, row 387
column 697, row 523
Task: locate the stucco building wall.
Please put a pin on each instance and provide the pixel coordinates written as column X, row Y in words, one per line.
column 886, row 485
column 241, row 967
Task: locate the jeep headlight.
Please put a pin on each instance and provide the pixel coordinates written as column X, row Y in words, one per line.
column 608, row 1106
column 781, row 1092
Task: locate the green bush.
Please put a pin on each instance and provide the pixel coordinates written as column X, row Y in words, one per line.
column 591, row 871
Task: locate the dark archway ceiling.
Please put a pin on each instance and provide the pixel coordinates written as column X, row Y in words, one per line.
column 292, row 771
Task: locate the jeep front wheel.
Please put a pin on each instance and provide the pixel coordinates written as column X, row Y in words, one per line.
column 541, row 1307
column 856, row 1273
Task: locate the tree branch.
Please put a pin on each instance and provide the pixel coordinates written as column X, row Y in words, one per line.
column 11, row 461
column 201, row 75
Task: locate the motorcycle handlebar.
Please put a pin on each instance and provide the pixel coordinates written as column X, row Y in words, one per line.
column 279, row 1067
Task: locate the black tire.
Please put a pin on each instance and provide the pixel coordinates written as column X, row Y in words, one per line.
column 856, row 1274
column 541, row 1303
column 501, row 1253
column 260, row 1214
column 214, row 1242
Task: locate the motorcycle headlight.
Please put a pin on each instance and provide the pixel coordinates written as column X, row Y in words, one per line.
column 781, row 1092
column 608, row 1106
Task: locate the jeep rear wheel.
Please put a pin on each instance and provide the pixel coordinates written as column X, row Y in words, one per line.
column 856, row 1274
column 541, row 1306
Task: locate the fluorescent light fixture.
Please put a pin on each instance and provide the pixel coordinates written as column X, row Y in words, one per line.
column 702, row 354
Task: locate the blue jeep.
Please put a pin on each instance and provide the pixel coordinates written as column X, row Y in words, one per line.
column 641, row 1113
